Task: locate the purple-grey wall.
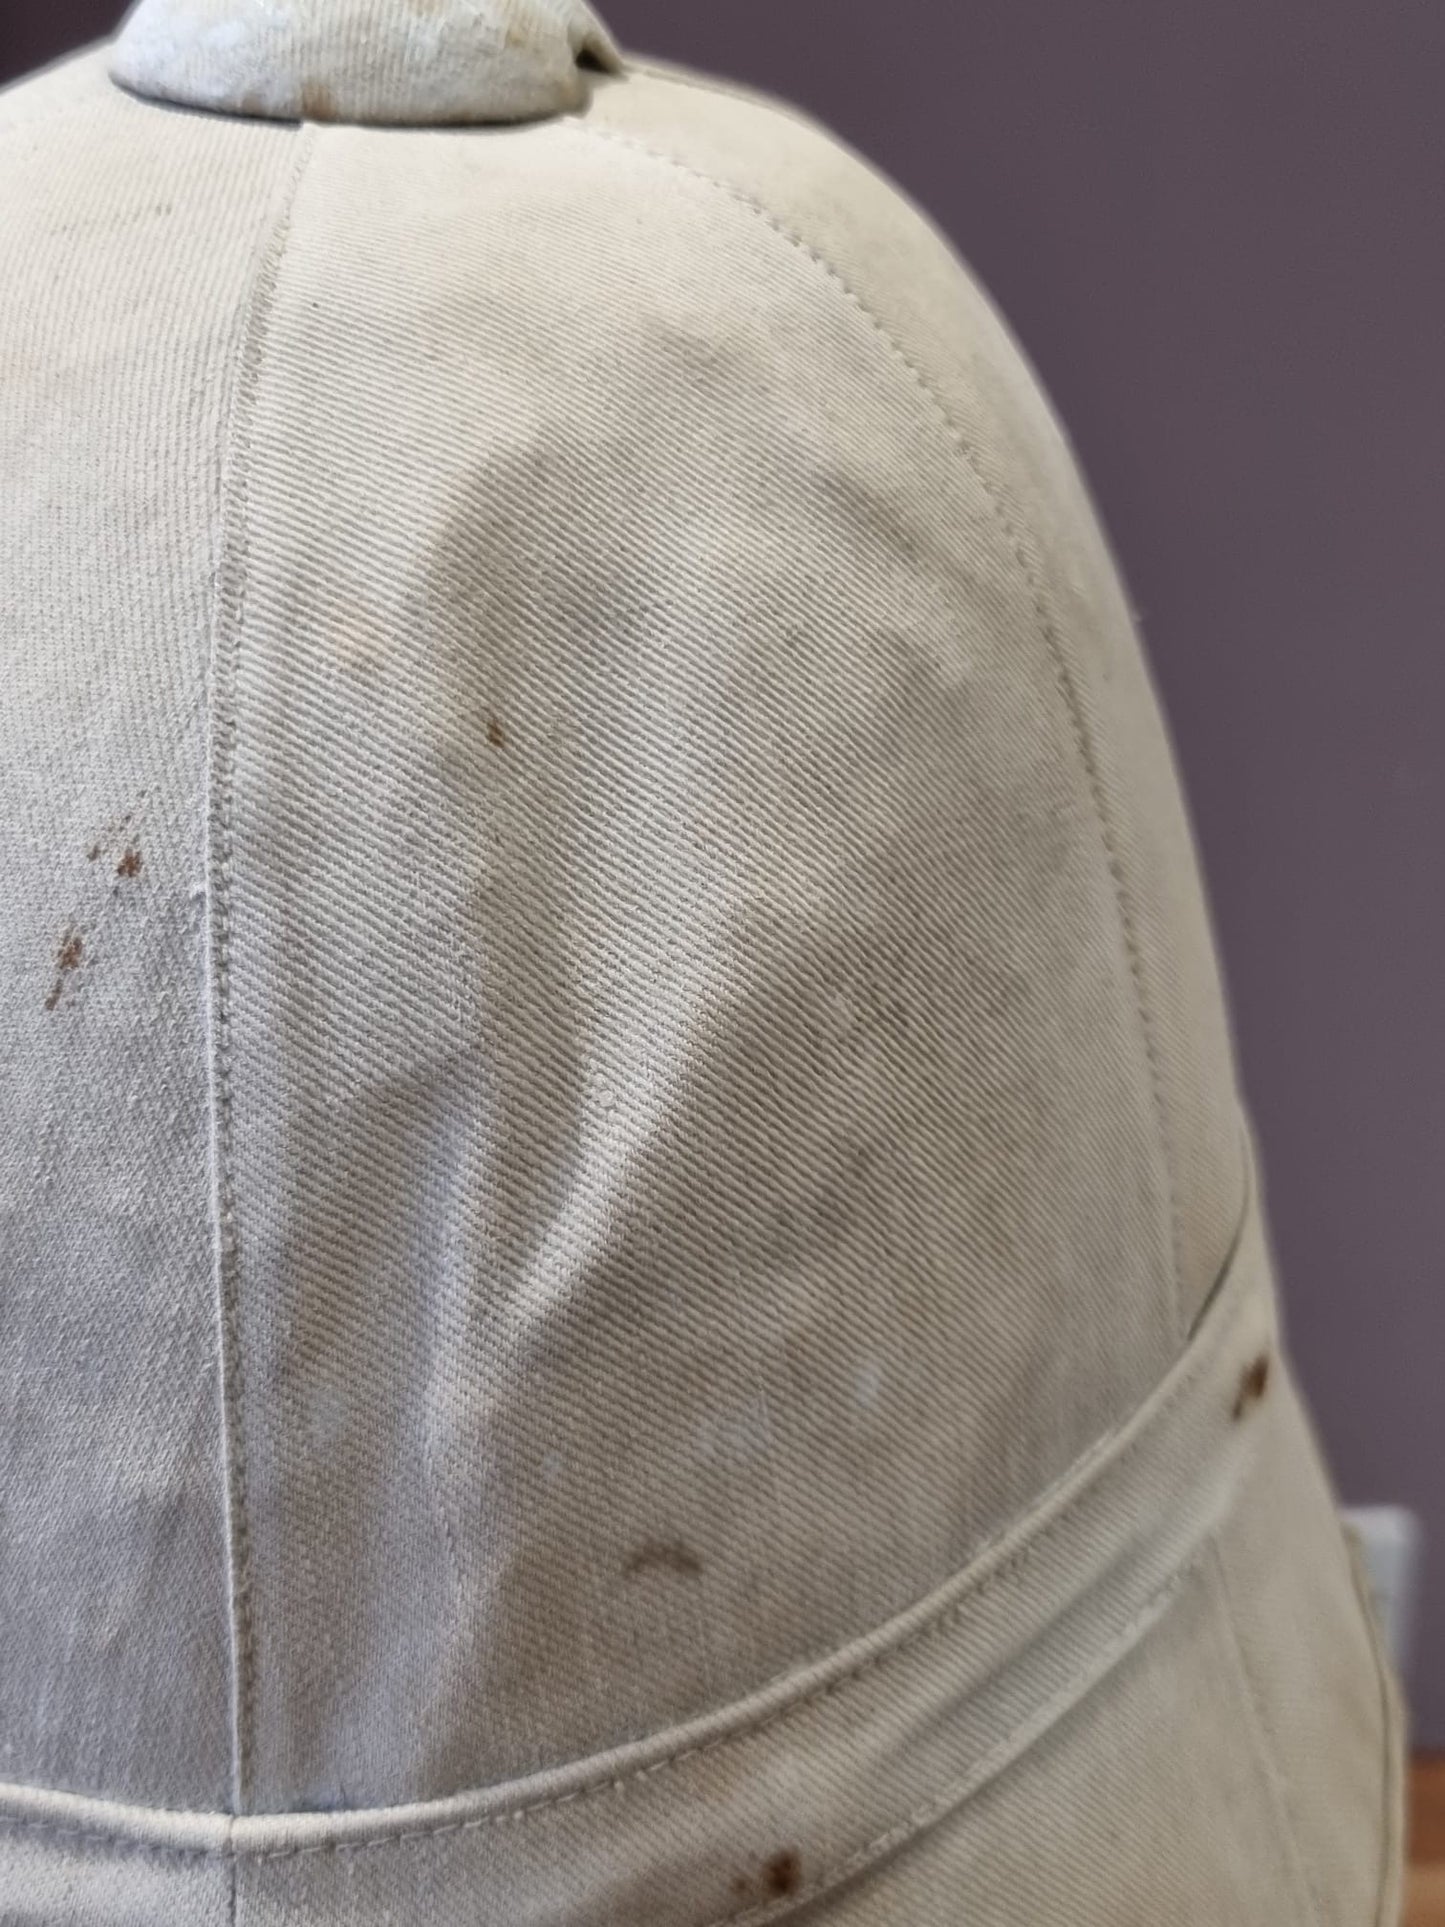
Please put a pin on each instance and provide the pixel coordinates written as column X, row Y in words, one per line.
column 1217, row 231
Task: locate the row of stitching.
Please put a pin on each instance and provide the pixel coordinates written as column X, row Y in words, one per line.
column 1064, row 676
column 1105, row 1457
column 1266, row 1749
column 231, row 617
column 947, row 1617
column 670, row 1762
column 1025, row 1733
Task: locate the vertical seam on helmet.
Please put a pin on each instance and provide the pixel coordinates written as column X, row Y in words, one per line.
column 226, row 641
column 1063, row 675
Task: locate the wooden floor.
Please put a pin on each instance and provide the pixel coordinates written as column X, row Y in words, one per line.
column 1426, row 1904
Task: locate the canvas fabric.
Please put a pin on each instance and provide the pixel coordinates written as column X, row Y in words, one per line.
column 634, row 1284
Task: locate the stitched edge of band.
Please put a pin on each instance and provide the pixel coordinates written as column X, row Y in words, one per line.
column 279, row 1835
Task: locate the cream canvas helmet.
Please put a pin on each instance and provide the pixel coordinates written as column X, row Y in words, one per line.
column 634, row 1289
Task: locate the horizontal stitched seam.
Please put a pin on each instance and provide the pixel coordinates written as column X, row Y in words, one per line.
column 1032, row 1728
column 1091, row 1464
column 939, row 1805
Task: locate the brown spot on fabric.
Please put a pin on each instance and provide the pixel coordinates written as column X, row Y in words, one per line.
column 496, row 735
column 783, row 1874
column 663, row 1555
column 129, row 865
column 72, row 947
column 112, row 830
column 317, row 102
column 1253, row 1384
column 742, row 1886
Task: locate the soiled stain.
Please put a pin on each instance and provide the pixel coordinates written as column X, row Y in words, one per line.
column 663, row 1555
column 496, row 735
column 780, row 1875
column 357, row 637
column 251, row 104
column 112, row 830
column 67, row 958
column 783, row 1873
column 129, row 865
column 1253, row 1384
column 317, row 102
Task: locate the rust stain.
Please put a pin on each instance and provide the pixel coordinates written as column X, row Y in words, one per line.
column 496, row 735
column 663, row 1555
column 783, row 1873
column 111, row 830
column 129, row 865
column 72, row 948
column 1253, row 1384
